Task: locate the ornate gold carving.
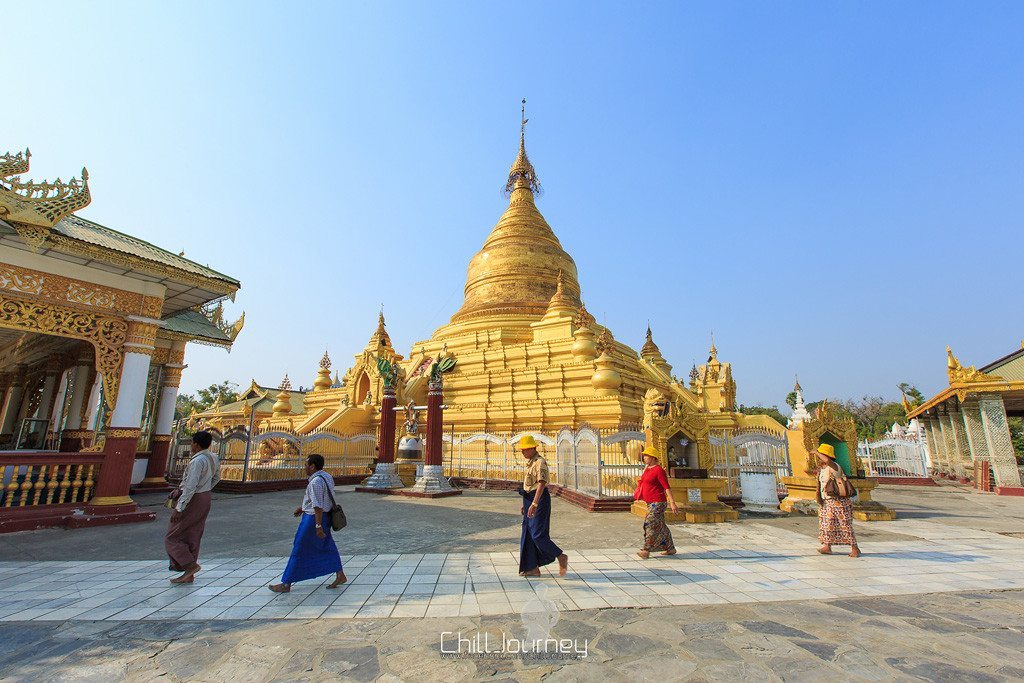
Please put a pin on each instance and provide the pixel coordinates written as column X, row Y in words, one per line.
column 19, row 280
column 141, row 333
column 107, row 334
column 958, row 374
column 31, row 205
column 215, row 314
column 123, row 433
column 825, row 420
column 159, row 438
column 68, row 290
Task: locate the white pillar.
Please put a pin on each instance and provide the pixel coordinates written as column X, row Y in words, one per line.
column 165, row 410
column 131, row 393
column 13, row 407
column 79, row 394
column 92, row 405
column 46, row 400
column 58, row 404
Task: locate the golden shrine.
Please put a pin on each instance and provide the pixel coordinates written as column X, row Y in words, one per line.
column 93, row 329
column 824, row 426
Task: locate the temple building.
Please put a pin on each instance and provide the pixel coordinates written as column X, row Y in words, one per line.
column 93, row 329
column 530, row 358
column 966, row 425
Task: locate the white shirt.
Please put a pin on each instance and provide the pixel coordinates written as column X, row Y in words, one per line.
column 317, row 492
column 199, row 477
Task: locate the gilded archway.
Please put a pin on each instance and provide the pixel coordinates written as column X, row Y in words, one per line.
column 107, row 334
column 826, row 421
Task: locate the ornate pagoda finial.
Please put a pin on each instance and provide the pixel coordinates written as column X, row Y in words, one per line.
column 522, row 173
column 694, row 374
column 380, row 335
column 286, row 384
column 650, row 349
column 713, row 352
column 583, row 317
column 325, row 362
column 604, row 341
column 796, row 387
column 38, row 204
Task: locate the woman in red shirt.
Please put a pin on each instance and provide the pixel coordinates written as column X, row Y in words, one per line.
column 654, row 490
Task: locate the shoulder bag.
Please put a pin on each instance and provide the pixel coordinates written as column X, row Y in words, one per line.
column 838, row 486
column 338, row 520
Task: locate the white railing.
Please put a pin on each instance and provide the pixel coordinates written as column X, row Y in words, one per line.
column 894, row 456
column 601, row 463
column 749, row 448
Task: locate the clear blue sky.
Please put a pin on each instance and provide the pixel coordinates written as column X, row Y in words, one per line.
column 835, row 189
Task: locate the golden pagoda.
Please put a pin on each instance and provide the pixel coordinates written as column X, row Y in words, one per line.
column 531, row 357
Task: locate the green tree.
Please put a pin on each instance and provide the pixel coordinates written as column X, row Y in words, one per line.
column 204, row 398
column 791, row 399
column 915, row 397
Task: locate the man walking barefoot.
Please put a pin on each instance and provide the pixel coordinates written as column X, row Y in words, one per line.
column 192, row 506
column 536, row 548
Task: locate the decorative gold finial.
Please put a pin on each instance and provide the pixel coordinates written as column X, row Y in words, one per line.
column 650, row 349
column 38, row 204
column 713, row 352
column 522, row 173
column 286, row 384
column 325, row 362
column 797, row 387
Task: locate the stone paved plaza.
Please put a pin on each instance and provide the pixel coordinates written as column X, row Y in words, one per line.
column 934, row 597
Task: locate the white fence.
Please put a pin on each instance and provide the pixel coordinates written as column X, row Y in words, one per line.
column 749, row 448
column 601, row 463
column 894, row 456
column 278, row 455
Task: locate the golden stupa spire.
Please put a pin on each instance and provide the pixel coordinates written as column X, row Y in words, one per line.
column 380, row 335
column 522, row 173
column 323, row 375
column 713, row 352
column 515, row 273
column 650, row 349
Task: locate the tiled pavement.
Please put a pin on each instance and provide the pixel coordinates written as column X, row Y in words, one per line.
column 734, row 563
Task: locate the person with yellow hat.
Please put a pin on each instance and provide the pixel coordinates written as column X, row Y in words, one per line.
column 536, row 548
column 653, row 489
column 835, row 511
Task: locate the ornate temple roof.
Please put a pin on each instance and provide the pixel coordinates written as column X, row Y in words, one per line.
column 516, row 271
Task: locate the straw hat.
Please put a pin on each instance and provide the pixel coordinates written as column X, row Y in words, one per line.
column 527, row 442
column 827, row 450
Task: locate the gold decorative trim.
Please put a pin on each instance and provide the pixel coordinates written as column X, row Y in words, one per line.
column 123, row 433
column 106, row 333
column 79, row 292
column 112, row 500
column 78, row 433
column 38, row 205
column 160, row 438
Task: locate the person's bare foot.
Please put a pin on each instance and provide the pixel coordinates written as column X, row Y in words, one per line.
column 670, row 551
column 825, row 550
column 280, row 587
column 855, row 552
column 338, row 580
column 189, row 575
column 643, row 554
column 563, row 564
column 532, row 572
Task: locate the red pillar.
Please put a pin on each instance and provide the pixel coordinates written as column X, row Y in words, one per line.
column 435, row 424
column 386, row 437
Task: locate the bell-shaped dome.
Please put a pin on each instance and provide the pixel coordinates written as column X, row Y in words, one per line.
column 517, row 270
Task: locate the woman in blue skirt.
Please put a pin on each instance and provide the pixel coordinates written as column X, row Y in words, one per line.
column 314, row 552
